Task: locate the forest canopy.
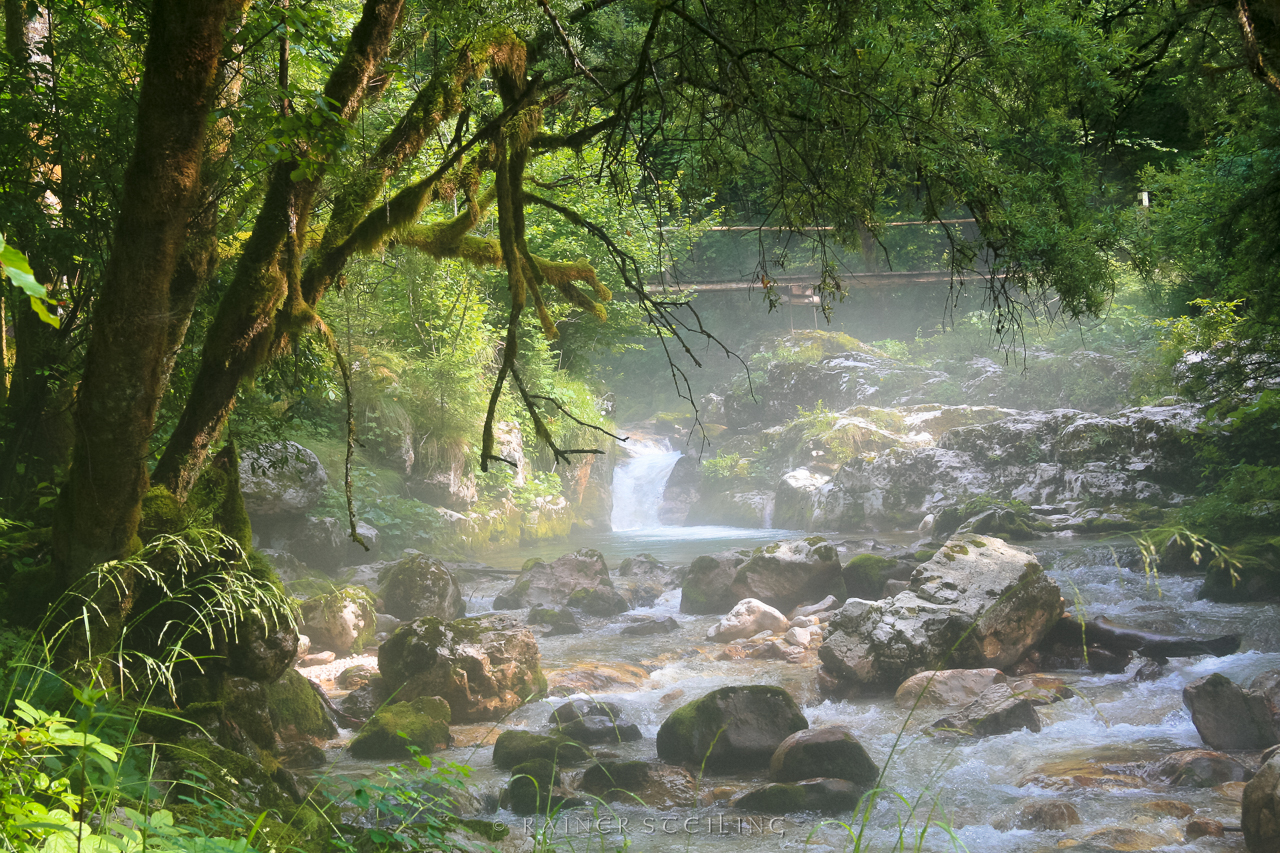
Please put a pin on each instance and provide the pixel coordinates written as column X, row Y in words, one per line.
column 194, row 184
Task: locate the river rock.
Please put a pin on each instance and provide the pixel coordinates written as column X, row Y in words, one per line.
column 262, row 651
column 659, row 786
column 281, row 479
column 553, row 584
column 515, row 746
column 1260, row 809
column 417, row 586
column 977, row 603
column 423, row 723
column 1039, row 814
column 866, row 575
column 649, row 626
column 600, row 601
column 595, row 678
column 1228, row 716
column 484, row 667
column 786, row 574
column 534, row 788
column 731, row 729
column 826, row 796
column 342, row 622
column 706, row 588
column 561, row 621
column 946, row 687
column 747, row 619
column 297, row 711
column 1203, row 827
column 799, row 637
column 1198, row 768
column 363, row 702
column 599, row 729
column 996, row 711
column 830, row 751
column 579, row 708
column 828, row 605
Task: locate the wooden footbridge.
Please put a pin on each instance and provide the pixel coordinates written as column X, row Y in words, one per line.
column 799, row 289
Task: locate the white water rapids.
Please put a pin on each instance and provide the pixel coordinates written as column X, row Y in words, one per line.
column 968, row 784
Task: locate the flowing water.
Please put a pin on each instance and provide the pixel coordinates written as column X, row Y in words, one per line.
column 1116, row 722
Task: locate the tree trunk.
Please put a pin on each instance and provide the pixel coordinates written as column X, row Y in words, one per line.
column 99, row 508
column 244, row 334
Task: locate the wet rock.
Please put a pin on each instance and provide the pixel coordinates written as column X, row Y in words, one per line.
column 362, row 702
column 866, row 575
column 747, row 619
column 659, row 786
column 597, row 729
column 830, row 751
column 423, row 723
column 262, row 652
column 1203, row 827
column 1072, row 774
column 827, row 796
column 1228, row 716
column 317, row 659
column 706, row 589
column 733, row 728
column 830, row 604
column 599, row 601
column 650, row 627
column 561, row 621
column 342, row 622
column 579, row 708
column 355, row 677
column 996, row 711
column 787, row 574
column 281, row 479
column 296, row 711
column 1198, row 768
column 1260, row 810
column 418, row 586
column 1170, row 808
column 595, row 678
column 977, row 603
column 535, row 788
column 1126, row 838
column 1043, row 815
column 516, row 747
column 946, row 687
column 484, row 667
column 552, row 584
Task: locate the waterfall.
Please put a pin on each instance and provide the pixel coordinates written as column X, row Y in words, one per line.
column 638, row 484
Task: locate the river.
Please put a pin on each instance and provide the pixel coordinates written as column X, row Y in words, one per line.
column 1116, row 722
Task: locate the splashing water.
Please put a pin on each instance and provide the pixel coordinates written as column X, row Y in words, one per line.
column 638, row 484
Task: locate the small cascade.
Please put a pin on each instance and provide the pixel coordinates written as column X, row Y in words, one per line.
column 638, row 484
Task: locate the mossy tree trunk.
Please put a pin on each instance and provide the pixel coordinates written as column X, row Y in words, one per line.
column 100, row 505
column 249, row 327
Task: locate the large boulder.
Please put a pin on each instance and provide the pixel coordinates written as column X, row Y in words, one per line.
column 418, row 586
column 831, row 751
column 484, row 667
column 553, row 584
column 297, row 711
column 262, row 651
column 281, row 479
column 1228, row 716
column 977, row 603
column 946, row 687
column 1260, row 809
column 790, row 573
column 826, row 796
column 730, row 729
column 516, row 746
column 748, row 618
column 996, row 711
column 342, row 622
column 706, row 589
column 423, row 723
column 658, row 786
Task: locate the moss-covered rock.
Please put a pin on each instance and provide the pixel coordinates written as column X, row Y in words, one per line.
column 418, row 586
column 531, row 785
column 790, row 573
column 706, row 589
column 516, row 747
column 422, row 723
column 865, row 574
column 297, row 713
column 484, row 667
column 342, row 622
column 659, row 786
column 600, row 601
column 731, row 729
column 1256, row 566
